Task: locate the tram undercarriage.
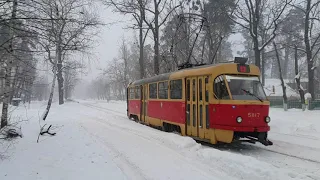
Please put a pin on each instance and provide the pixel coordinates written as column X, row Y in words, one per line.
column 253, row 137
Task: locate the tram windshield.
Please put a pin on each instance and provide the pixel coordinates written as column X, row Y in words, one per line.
column 245, row 88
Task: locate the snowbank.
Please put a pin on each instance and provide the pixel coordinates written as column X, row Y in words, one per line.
column 302, row 127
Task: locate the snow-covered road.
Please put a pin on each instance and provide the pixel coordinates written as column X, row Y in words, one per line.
column 95, row 140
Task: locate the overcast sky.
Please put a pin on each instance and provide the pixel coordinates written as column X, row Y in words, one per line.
column 108, row 41
column 110, row 38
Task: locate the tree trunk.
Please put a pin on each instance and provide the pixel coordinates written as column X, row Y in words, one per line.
column 296, row 67
column 8, row 72
column 285, row 100
column 257, row 56
column 60, row 83
column 59, row 72
column 45, row 114
column 309, row 51
column 66, row 89
column 156, row 39
column 263, row 67
column 141, row 43
column 254, row 34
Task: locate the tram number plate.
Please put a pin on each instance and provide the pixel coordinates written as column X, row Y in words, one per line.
column 253, row 115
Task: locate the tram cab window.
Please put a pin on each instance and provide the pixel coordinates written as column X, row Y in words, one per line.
column 153, row 91
column 137, row 92
column 163, row 90
column 131, row 95
column 220, row 88
column 245, row 87
column 176, row 89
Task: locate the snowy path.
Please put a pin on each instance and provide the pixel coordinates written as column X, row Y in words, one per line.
column 96, row 141
column 282, row 156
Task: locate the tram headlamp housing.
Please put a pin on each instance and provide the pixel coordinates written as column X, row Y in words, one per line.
column 239, row 119
column 267, row 119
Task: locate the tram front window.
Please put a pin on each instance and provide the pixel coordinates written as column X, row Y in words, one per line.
column 245, row 88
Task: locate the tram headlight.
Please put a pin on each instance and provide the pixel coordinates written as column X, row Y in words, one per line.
column 239, row 119
column 267, row 119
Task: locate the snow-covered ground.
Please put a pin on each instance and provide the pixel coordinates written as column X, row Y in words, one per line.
column 95, row 140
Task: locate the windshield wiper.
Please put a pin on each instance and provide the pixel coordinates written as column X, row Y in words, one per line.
column 248, row 92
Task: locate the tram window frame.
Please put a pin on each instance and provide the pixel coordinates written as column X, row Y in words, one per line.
column 200, row 89
column 131, row 93
column 176, row 89
column 220, row 81
column 207, row 117
column 206, row 89
column 153, row 91
column 163, row 90
column 188, row 90
column 137, row 93
column 194, row 90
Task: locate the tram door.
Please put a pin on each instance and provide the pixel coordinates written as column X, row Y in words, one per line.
column 197, row 96
column 202, row 103
column 143, row 103
column 192, row 106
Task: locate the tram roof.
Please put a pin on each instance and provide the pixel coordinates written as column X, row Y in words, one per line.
column 189, row 71
column 165, row 76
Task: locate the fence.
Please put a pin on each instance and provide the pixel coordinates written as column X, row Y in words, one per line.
column 314, row 105
column 278, row 103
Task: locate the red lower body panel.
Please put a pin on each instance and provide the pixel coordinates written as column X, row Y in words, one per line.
column 173, row 111
column 134, row 106
column 223, row 116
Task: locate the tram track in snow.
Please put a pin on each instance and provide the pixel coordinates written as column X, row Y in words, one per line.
column 236, row 148
column 240, row 149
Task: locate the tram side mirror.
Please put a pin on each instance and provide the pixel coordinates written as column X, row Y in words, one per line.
column 240, row 60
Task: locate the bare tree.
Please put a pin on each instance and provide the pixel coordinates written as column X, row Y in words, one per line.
column 158, row 17
column 311, row 39
column 284, row 95
column 261, row 19
column 68, row 31
column 9, row 67
column 136, row 8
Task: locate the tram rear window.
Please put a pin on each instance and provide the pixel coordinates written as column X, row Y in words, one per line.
column 131, row 95
column 138, row 93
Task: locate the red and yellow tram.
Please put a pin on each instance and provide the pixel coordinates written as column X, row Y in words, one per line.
column 212, row 103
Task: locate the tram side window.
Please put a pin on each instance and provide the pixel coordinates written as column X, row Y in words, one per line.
column 220, row 88
column 153, row 91
column 131, row 96
column 163, row 90
column 176, row 89
column 138, row 93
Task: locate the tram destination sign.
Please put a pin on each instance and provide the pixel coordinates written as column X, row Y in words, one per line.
column 243, row 68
